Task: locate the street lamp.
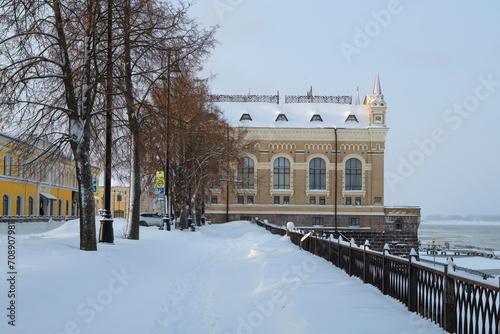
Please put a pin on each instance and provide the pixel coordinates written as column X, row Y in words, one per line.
column 434, row 247
column 106, row 230
column 171, row 71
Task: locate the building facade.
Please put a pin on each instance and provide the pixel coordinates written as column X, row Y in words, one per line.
column 317, row 161
column 33, row 185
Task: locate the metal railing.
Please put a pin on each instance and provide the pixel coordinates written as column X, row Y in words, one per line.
column 457, row 304
column 318, row 99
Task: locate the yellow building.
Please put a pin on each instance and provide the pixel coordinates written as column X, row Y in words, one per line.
column 120, row 198
column 35, row 185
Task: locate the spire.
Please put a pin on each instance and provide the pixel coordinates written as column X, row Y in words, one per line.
column 356, row 100
column 376, row 87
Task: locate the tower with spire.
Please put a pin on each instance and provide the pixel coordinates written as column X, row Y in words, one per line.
column 376, row 104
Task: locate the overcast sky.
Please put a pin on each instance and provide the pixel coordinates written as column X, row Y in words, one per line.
column 439, row 70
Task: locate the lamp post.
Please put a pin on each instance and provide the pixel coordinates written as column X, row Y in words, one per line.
column 434, row 247
column 106, row 230
column 170, row 71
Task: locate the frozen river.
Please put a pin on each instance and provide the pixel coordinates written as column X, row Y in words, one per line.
column 475, row 233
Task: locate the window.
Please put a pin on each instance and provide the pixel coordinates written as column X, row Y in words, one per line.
column 67, row 207
column 11, row 166
column 246, row 173
column 59, row 207
column 353, row 174
column 348, row 201
column 352, row 118
column 5, row 164
column 245, row 117
column 316, row 118
column 213, row 200
column 276, row 200
column 245, row 218
column 6, row 205
column 317, row 174
column 119, row 214
column 241, row 199
column 19, row 206
column 398, row 226
column 31, row 206
column 357, row 201
column 250, row 200
column 312, row 200
column 286, row 199
column 317, row 221
column 354, row 222
column 281, row 117
column 322, row 200
column 281, row 173
column 119, row 197
column 20, row 167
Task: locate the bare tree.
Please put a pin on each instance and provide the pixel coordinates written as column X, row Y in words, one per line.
column 149, row 31
column 50, row 74
column 204, row 149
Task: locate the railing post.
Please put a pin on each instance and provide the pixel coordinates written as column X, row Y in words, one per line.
column 338, row 253
column 365, row 262
column 449, row 300
column 351, row 260
column 412, row 282
column 385, row 271
column 330, row 249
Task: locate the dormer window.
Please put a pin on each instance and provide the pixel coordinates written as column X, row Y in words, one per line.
column 352, row 118
column 316, row 118
column 245, row 117
column 281, row 117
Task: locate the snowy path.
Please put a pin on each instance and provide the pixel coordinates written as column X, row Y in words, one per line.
column 232, row 278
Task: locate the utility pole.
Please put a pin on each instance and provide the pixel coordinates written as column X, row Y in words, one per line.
column 166, row 218
column 336, row 176
column 227, row 181
column 106, row 230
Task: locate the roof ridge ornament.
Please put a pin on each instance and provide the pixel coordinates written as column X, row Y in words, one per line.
column 356, row 100
column 377, row 90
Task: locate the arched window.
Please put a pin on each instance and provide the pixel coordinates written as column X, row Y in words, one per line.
column 67, row 207
column 6, row 205
column 281, row 173
column 353, row 174
column 19, row 206
column 246, row 173
column 31, row 206
column 317, row 174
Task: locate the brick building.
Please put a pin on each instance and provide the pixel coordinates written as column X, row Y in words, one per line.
column 317, row 161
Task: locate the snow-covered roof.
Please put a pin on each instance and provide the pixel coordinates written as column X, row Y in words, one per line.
column 299, row 115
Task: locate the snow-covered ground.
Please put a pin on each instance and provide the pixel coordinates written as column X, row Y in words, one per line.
column 231, row 278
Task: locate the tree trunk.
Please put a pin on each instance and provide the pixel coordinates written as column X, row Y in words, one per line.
column 134, row 126
column 135, row 187
column 81, row 149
